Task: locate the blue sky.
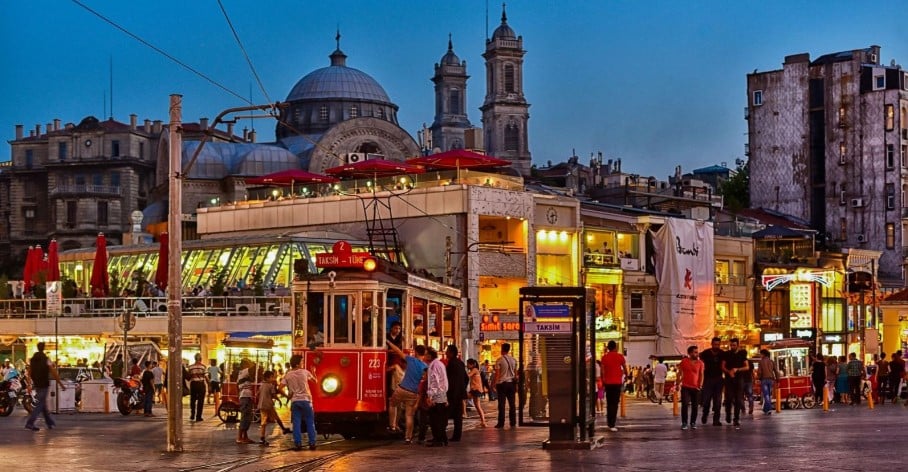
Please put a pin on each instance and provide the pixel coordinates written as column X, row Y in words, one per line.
column 655, row 83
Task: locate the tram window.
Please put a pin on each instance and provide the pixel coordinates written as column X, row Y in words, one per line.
column 380, row 313
column 393, row 308
column 367, row 314
column 448, row 327
column 340, row 320
column 315, row 308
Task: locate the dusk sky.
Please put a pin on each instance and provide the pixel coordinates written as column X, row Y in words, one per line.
column 654, row 83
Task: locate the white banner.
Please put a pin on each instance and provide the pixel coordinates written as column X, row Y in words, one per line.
column 686, row 274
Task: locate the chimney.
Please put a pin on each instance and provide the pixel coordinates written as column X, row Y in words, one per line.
column 31, row 133
column 38, row 130
column 56, row 124
column 147, row 126
column 203, row 123
column 156, row 128
column 252, row 136
column 245, row 134
column 50, row 127
column 230, row 130
column 19, row 130
column 133, row 118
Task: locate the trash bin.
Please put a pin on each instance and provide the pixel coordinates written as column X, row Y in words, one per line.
column 94, row 395
column 61, row 400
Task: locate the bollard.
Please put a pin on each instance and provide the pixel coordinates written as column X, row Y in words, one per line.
column 826, row 398
column 623, row 411
column 778, row 399
column 675, row 395
column 870, row 399
column 106, row 401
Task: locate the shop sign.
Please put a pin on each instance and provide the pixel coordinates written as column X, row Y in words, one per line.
column 808, row 334
column 547, row 328
column 546, row 312
column 499, row 326
column 771, row 337
column 342, row 256
column 54, row 298
column 833, row 338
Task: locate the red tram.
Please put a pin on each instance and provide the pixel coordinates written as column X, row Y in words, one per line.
column 340, row 323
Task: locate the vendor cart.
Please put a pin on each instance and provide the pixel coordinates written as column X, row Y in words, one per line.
column 792, row 356
column 258, row 352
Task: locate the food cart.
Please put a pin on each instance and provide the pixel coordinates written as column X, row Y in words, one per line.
column 258, row 352
column 792, row 356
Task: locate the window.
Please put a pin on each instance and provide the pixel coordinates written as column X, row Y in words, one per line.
column 29, row 158
column 102, row 213
column 454, row 102
column 97, row 180
column 323, row 113
column 29, row 213
column 842, row 151
column 758, row 98
column 354, row 112
column 71, row 212
column 739, row 313
column 80, row 179
column 904, row 155
column 879, row 82
column 115, row 148
column 636, row 306
column 114, row 179
column 842, row 194
column 61, row 151
column 842, row 113
column 380, row 113
column 890, row 235
column 738, row 274
column 509, row 78
column 141, row 150
column 843, row 229
column 890, row 117
column 890, row 196
column 722, row 272
column 890, row 156
column 511, row 137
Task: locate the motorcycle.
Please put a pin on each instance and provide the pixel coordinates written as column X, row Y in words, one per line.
column 27, row 399
column 8, row 396
column 131, row 397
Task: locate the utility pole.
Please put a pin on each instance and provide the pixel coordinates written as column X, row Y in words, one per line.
column 174, row 282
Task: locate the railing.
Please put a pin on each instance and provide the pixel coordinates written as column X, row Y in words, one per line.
column 148, row 306
column 84, row 188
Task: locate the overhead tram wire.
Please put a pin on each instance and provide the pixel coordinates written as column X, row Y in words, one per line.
column 161, row 52
column 243, row 49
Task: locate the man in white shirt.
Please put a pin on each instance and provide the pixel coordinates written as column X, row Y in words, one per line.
column 659, row 374
column 506, row 385
column 437, row 393
column 297, row 381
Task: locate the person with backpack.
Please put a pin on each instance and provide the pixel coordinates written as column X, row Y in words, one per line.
column 40, row 370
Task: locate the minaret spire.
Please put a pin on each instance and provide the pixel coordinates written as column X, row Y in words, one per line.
column 504, row 14
column 450, row 43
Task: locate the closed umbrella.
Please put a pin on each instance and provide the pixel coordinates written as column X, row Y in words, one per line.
column 100, row 286
column 53, row 261
column 39, row 266
column 160, row 275
column 29, row 269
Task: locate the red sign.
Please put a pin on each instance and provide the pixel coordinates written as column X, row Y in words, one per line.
column 342, row 256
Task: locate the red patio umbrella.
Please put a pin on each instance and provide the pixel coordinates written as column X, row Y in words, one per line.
column 53, row 261
column 100, row 286
column 291, row 177
column 29, row 269
column 39, row 266
column 374, row 168
column 160, row 275
column 458, row 159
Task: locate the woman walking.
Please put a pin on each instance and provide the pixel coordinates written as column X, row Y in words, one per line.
column 476, row 389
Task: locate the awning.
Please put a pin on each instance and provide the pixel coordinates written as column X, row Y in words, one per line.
column 249, row 334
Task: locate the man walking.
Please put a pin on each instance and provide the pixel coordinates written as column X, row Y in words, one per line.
column 690, row 377
column 614, row 369
column 437, row 398
column 768, row 373
column 506, row 385
column 856, row 376
column 297, row 382
column 197, row 380
column 660, row 372
column 735, row 366
column 457, row 389
column 712, row 380
column 40, row 370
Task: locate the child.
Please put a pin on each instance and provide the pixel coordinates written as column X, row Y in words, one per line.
column 267, row 395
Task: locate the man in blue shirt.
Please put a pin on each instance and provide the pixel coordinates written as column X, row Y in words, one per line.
column 405, row 393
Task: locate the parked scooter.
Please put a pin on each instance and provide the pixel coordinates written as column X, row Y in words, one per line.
column 9, row 395
column 131, row 397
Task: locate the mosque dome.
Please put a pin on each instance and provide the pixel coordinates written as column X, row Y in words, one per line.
column 338, row 82
column 504, row 31
column 450, row 59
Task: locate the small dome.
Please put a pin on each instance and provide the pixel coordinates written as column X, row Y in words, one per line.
column 338, row 81
column 504, row 31
column 450, row 59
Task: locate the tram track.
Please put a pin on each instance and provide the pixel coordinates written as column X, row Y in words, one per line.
column 260, row 462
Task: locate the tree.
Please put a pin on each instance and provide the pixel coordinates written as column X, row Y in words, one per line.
column 736, row 190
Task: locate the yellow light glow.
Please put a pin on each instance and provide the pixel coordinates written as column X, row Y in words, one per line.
column 589, row 238
column 369, row 264
column 553, row 236
column 540, row 235
column 563, row 236
column 330, row 385
column 403, row 180
column 275, row 193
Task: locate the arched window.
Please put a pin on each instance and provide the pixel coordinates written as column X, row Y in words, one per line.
column 511, row 137
column 380, row 113
column 509, row 78
column 323, row 113
column 454, row 102
column 354, row 112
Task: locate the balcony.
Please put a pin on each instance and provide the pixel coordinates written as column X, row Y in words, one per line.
column 85, row 189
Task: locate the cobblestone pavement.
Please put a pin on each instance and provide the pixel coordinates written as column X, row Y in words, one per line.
column 649, row 438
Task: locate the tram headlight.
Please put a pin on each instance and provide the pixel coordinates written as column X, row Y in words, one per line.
column 331, row 385
column 369, row 264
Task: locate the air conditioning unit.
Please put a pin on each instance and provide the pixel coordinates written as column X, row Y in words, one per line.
column 354, row 157
column 247, row 308
column 857, row 202
column 862, row 238
column 72, row 309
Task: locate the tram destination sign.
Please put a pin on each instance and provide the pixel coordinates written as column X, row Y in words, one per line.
column 342, row 256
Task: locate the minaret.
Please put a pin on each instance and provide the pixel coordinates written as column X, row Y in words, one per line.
column 505, row 112
column 450, row 101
